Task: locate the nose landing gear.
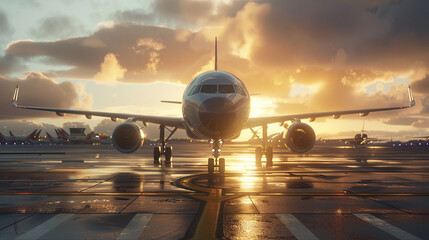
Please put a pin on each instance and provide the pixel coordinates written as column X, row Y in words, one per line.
column 216, row 162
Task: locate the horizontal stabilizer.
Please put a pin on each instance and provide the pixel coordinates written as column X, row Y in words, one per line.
column 174, row 102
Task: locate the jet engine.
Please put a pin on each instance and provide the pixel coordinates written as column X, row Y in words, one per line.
column 300, row 137
column 127, row 137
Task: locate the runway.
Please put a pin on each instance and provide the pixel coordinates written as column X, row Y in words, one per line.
column 94, row 192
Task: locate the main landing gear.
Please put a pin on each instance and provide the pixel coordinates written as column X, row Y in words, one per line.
column 265, row 149
column 167, row 151
column 216, row 162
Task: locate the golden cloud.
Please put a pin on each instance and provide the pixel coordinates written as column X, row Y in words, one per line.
column 110, row 70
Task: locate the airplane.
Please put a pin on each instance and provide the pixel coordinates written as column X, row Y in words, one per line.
column 215, row 107
column 12, row 139
column 359, row 139
column 64, row 137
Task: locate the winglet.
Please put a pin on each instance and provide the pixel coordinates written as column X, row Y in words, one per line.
column 410, row 95
column 15, row 97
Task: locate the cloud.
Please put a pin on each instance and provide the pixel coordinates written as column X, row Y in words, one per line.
column 171, row 57
column 150, row 47
column 176, row 13
column 85, row 125
column 56, row 27
column 5, row 27
column 406, row 121
column 11, row 64
column 24, row 127
column 422, row 85
column 110, row 70
column 36, row 90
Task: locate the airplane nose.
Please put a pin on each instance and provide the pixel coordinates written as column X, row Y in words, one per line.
column 219, row 114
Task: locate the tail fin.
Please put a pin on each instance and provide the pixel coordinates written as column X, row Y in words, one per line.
column 215, row 53
column 32, row 135
column 38, row 133
column 49, row 136
column 11, row 134
column 64, row 132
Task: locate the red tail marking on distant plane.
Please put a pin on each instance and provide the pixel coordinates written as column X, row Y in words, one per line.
column 49, row 137
column 32, row 135
column 38, row 133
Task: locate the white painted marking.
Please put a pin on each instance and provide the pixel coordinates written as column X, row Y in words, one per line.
column 45, row 227
column 135, row 227
column 387, row 227
column 296, row 227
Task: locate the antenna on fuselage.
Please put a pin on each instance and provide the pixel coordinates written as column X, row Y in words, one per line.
column 215, row 53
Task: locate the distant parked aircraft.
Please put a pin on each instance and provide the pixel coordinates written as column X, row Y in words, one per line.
column 12, row 139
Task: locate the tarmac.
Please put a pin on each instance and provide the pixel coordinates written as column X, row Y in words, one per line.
column 95, row 192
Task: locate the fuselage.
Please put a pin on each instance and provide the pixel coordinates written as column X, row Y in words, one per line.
column 215, row 105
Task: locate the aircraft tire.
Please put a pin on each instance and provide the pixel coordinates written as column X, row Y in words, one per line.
column 211, row 165
column 156, row 155
column 168, row 154
column 221, row 165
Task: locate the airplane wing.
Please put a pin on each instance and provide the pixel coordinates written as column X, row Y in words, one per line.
column 166, row 121
column 258, row 121
column 426, row 137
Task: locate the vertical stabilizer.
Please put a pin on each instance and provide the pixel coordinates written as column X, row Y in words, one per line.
column 32, row 135
column 215, row 53
column 11, row 134
column 38, row 134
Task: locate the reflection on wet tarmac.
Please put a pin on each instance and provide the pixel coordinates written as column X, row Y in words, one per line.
column 319, row 191
column 127, row 182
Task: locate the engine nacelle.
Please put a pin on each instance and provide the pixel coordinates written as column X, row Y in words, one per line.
column 300, row 137
column 127, row 137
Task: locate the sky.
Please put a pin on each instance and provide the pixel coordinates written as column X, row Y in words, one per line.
column 295, row 56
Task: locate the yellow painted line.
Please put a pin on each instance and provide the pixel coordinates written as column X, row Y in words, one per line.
column 207, row 225
column 206, row 228
column 335, row 194
column 105, row 193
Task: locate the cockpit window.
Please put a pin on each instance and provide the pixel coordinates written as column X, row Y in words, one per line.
column 209, row 88
column 226, row 89
column 240, row 90
column 195, row 90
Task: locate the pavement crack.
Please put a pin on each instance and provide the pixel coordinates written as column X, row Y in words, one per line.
column 131, row 202
column 254, row 205
column 16, row 222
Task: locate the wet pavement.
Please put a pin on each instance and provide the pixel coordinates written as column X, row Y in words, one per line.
column 95, row 192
